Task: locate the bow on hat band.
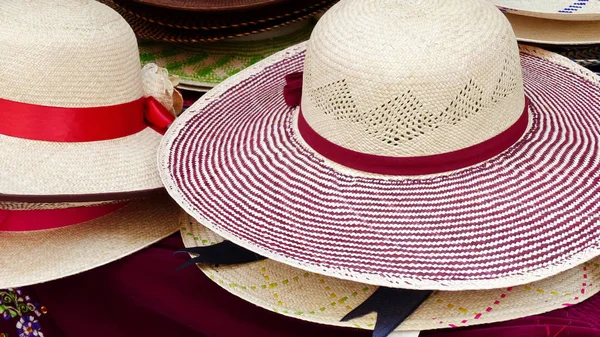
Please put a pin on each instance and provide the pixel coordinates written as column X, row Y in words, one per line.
column 419, row 165
column 58, row 124
column 31, row 220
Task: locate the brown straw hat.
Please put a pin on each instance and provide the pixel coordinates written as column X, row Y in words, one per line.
column 218, row 5
column 154, row 23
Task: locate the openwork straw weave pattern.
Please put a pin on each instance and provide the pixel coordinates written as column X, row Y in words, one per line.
column 39, row 256
column 369, row 101
column 572, row 10
column 304, row 295
column 87, row 58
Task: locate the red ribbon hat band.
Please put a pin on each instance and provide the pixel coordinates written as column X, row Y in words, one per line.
column 31, row 220
column 402, row 165
column 58, row 124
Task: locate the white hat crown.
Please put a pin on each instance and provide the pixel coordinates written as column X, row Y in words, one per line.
column 85, row 59
column 407, row 78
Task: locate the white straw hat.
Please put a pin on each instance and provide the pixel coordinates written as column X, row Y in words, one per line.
column 572, row 10
column 74, row 104
column 321, row 299
column 428, row 152
column 549, row 31
column 41, row 244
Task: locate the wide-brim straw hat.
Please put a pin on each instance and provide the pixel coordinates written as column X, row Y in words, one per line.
column 75, row 105
column 551, row 31
column 45, row 242
column 424, row 199
column 321, row 299
column 160, row 24
column 586, row 10
column 202, row 66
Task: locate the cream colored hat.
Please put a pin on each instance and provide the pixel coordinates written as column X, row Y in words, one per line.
column 41, row 244
column 572, row 10
column 402, row 157
column 550, row 31
column 321, row 299
column 78, row 118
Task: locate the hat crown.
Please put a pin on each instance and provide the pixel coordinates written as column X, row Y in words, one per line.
column 412, row 77
column 67, row 53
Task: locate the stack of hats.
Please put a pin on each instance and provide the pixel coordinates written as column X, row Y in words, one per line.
column 409, row 160
column 204, row 42
column 81, row 124
column 568, row 27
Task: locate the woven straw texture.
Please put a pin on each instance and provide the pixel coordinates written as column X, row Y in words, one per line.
column 204, row 65
column 321, row 299
column 182, row 27
column 587, row 56
column 72, row 53
column 572, row 10
column 524, row 215
column 55, row 205
column 546, row 31
column 365, row 99
column 40, row 256
column 210, row 5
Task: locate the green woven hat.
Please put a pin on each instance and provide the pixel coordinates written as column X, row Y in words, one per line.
column 202, row 66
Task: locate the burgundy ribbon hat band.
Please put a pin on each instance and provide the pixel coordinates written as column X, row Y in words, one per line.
column 419, row 165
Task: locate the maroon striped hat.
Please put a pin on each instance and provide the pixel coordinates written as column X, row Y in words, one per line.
column 426, row 151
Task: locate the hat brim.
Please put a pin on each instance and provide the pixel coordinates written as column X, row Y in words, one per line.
column 179, row 32
column 545, row 31
column 207, row 65
column 564, row 10
column 39, row 256
column 321, row 299
column 39, row 171
column 236, row 163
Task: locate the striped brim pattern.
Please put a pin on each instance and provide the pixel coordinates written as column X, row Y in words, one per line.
column 236, row 163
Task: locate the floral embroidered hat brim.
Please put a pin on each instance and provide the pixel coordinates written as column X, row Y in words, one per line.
column 571, row 10
column 551, row 31
column 41, row 244
column 402, row 157
column 321, row 299
column 202, row 66
column 80, row 121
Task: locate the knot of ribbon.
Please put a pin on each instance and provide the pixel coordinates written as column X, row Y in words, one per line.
column 292, row 91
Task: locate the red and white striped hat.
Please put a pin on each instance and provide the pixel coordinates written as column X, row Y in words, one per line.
column 428, row 151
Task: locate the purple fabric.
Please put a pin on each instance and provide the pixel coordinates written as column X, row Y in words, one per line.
column 142, row 295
